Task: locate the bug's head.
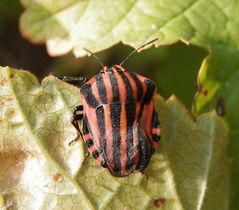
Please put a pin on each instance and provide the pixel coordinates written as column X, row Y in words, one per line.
column 105, row 69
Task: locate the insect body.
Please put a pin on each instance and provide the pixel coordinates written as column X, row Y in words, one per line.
column 120, row 124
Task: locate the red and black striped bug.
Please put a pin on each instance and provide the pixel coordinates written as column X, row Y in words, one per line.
column 120, row 124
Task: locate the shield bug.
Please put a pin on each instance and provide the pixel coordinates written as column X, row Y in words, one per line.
column 119, row 123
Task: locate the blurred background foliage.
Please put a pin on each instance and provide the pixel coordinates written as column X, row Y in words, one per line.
column 175, row 68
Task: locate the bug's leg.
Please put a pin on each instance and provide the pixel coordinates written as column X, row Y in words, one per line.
column 74, row 121
column 77, row 109
column 78, row 81
column 76, row 117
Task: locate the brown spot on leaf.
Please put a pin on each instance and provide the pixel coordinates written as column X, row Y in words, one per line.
column 159, row 202
column 3, row 82
column 11, row 76
column 12, row 166
column 220, row 107
column 58, row 177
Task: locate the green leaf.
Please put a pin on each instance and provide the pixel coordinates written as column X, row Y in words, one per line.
column 41, row 113
column 218, row 82
column 76, row 24
column 40, row 170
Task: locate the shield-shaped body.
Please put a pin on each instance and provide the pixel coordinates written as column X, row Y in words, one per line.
column 120, row 124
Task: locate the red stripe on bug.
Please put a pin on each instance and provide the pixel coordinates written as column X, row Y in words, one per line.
column 135, row 126
column 109, row 137
column 91, row 149
column 147, row 120
column 121, row 86
column 123, row 123
column 87, row 137
column 95, row 89
column 136, row 136
column 123, row 134
column 109, row 94
column 142, row 79
column 91, row 115
column 90, row 112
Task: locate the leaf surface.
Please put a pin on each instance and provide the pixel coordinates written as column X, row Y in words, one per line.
column 76, row 24
column 40, row 170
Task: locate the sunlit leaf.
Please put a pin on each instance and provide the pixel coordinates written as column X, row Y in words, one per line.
column 99, row 24
column 40, row 170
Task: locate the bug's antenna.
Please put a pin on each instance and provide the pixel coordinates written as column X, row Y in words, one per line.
column 142, row 46
column 91, row 53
